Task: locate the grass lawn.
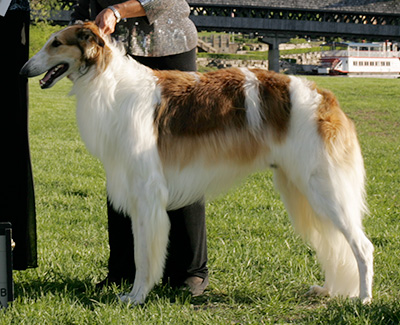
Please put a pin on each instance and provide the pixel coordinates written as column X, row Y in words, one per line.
column 259, row 269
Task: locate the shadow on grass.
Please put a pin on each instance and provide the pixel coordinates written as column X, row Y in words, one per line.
column 348, row 311
column 73, row 289
column 308, row 309
column 302, row 310
column 85, row 292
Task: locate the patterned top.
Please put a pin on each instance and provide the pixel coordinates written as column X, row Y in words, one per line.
column 166, row 29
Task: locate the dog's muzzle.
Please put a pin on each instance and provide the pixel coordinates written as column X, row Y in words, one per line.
column 31, row 70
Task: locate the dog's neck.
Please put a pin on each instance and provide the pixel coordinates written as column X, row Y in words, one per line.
column 106, row 80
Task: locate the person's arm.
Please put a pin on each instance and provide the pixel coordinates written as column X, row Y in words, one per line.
column 152, row 9
column 106, row 19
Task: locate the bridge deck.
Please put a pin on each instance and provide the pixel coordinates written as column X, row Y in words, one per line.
column 291, row 22
column 355, row 6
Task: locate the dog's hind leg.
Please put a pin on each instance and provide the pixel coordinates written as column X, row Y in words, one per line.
column 150, row 225
column 302, row 216
column 337, row 195
column 328, row 218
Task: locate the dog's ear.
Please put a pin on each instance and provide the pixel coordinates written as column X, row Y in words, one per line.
column 89, row 35
column 90, row 42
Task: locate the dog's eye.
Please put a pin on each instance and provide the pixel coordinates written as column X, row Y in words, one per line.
column 56, row 43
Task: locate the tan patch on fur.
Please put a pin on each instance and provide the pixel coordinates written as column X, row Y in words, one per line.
column 195, row 106
column 275, row 100
column 205, row 115
column 237, row 146
column 336, row 129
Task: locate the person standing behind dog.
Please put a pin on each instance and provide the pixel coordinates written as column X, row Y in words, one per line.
column 160, row 35
column 17, row 197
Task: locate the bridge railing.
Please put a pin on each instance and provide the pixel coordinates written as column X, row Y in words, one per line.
column 293, row 14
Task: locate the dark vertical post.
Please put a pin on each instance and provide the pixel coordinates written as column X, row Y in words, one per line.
column 6, row 279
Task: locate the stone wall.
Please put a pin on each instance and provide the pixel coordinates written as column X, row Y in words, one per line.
column 225, row 63
column 310, row 58
column 306, row 59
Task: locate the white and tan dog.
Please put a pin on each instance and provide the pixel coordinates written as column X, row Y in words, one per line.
column 167, row 138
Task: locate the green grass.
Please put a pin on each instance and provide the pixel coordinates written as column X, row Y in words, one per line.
column 39, row 34
column 259, row 269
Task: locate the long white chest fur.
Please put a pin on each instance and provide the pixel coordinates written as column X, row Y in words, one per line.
column 116, row 122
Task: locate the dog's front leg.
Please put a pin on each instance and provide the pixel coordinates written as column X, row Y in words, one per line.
column 150, row 225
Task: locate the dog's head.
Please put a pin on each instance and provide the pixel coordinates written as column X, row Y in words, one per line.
column 69, row 52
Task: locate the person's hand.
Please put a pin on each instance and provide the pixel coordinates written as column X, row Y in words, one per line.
column 106, row 21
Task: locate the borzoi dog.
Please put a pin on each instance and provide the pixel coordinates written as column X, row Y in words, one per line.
column 167, row 138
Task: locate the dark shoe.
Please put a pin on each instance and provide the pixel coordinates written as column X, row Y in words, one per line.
column 110, row 280
column 196, row 285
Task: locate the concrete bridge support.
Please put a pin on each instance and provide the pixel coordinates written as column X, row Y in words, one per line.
column 273, row 52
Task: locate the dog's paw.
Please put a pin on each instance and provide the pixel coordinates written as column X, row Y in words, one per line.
column 317, row 291
column 130, row 299
column 366, row 300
